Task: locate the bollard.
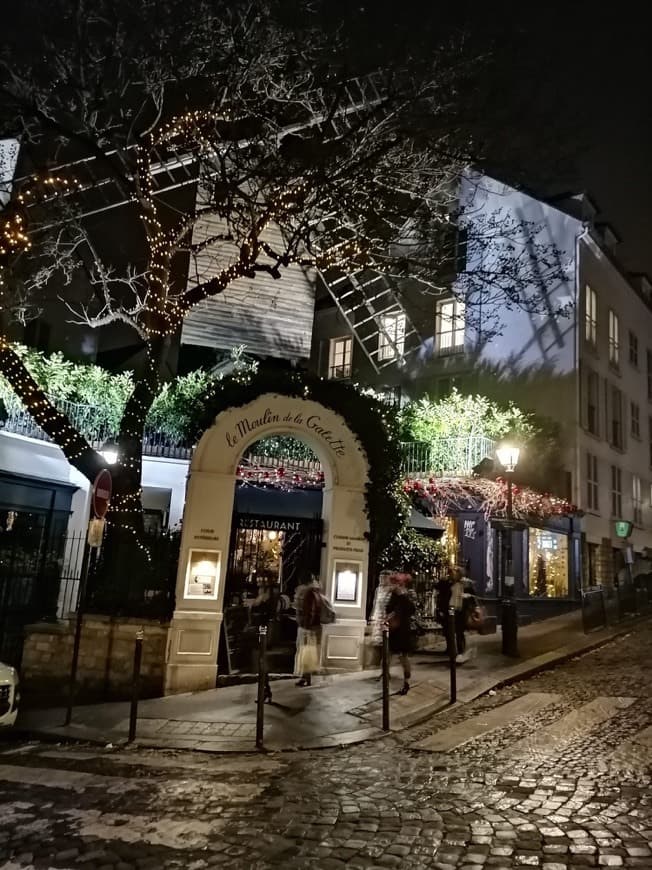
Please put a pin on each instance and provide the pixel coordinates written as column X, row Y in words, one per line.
column 135, row 685
column 452, row 654
column 385, row 677
column 262, row 672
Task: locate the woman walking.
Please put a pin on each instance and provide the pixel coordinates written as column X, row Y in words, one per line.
column 379, row 610
column 400, row 610
column 308, row 611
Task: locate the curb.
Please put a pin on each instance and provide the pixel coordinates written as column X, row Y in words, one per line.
column 521, row 672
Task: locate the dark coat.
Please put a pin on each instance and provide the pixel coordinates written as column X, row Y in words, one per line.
column 401, row 636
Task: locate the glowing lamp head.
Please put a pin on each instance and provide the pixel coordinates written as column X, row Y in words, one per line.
column 508, row 456
column 109, row 452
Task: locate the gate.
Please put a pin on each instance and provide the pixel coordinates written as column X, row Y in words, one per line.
column 38, row 581
column 277, row 552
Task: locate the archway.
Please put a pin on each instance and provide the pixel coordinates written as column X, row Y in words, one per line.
column 195, row 629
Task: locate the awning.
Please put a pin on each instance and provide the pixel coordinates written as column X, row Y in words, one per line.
column 426, row 525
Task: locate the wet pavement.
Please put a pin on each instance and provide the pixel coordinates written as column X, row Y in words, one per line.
column 553, row 772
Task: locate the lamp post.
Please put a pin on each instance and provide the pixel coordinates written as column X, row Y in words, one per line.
column 508, row 458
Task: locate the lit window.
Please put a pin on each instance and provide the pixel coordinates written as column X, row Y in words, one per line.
column 616, row 492
column 591, row 316
column 548, row 564
column 635, row 420
column 391, row 338
column 450, row 325
column 614, row 338
column 633, row 349
column 339, row 359
column 592, row 491
column 637, row 505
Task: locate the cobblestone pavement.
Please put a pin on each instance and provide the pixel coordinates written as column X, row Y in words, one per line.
column 551, row 788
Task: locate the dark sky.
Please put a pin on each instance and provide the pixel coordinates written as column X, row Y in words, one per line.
column 598, row 67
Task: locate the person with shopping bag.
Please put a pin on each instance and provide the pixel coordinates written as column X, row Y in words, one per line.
column 308, row 606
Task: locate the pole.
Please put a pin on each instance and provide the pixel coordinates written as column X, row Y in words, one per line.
column 509, row 619
column 81, row 603
column 385, row 676
column 452, row 654
column 262, row 671
column 135, row 685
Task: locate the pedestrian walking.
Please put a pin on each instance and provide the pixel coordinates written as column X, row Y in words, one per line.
column 463, row 602
column 308, row 606
column 379, row 611
column 264, row 612
column 400, row 610
column 443, row 588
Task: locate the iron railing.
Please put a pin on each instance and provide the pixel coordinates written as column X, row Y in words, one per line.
column 441, row 456
column 455, row 456
column 96, row 427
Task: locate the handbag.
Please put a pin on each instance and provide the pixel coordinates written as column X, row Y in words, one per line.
column 476, row 618
column 307, row 657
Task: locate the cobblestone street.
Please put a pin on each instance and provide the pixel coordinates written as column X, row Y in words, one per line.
column 551, row 773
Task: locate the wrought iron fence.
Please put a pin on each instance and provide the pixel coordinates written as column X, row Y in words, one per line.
column 441, row 456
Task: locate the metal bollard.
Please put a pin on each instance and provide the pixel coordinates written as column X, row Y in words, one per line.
column 385, row 678
column 135, row 685
column 262, row 672
column 452, row 654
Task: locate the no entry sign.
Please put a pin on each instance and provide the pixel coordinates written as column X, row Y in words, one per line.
column 102, row 493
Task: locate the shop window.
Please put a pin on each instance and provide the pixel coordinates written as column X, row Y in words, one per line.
column 548, row 564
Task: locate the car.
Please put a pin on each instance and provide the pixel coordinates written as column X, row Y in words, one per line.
column 9, row 695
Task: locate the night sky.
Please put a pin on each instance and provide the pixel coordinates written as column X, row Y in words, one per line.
column 597, row 61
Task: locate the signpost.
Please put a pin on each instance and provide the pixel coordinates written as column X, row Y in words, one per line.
column 100, row 499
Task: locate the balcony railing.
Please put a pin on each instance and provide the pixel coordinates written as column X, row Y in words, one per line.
column 443, row 456
column 454, row 456
column 92, row 422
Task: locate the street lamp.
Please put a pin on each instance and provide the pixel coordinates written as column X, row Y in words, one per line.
column 508, row 458
column 109, row 452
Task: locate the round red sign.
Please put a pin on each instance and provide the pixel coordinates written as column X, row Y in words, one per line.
column 102, row 493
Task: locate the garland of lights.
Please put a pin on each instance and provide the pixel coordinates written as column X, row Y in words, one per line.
column 443, row 495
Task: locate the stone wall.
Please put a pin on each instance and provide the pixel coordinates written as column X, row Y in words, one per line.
column 105, row 659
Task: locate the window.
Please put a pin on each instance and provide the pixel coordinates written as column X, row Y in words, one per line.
column 391, row 338
column 593, row 403
column 450, row 326
column 591, row 316
column 637, row 505
column 339, row 359
column 633, row 349
column 649, row 374
column 614, row 338
column 616, row 418
column 592, row 492
column 548, row 564
column 616, row 492
column 649, row 437
column 635, row 415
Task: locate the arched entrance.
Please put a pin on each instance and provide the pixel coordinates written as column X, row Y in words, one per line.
column 195, row 630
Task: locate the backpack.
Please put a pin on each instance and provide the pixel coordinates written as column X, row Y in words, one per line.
column 326, row 613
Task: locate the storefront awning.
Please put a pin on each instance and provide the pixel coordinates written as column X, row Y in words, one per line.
column 425, row 524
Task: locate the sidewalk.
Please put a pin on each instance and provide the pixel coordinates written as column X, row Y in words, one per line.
column 336, row 710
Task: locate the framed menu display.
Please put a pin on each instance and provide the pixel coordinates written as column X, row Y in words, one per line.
column 346, row 582
column 203, row 574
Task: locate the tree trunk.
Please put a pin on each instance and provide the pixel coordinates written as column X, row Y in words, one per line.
column 53, row 422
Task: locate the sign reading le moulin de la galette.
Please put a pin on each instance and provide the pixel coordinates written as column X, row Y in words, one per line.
column 311, row 423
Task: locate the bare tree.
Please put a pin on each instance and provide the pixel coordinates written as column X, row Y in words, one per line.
column 235, row 133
